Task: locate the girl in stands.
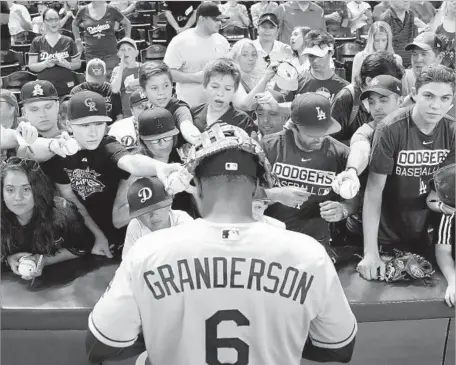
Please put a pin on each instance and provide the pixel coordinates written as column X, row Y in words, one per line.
column 379, row 38
column 35, row 223
column 297, row 44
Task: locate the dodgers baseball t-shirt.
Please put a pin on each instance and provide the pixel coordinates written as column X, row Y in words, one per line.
column 65, row 49
column 200, row 285
column 94, row 178
column 100, row 37
column 314, row 171
column 409, row 158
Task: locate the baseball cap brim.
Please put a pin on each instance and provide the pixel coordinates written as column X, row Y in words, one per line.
column 287, row 84
column 316, row 51
column 164, row 203
column 268, row 20
column 324, row 129
column 127, row 41
column 39, row 99
column 154, row 137
column 423, row 46
column 384, row 92
column 91, row 119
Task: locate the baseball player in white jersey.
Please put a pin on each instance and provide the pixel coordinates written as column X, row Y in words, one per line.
column 224, row 289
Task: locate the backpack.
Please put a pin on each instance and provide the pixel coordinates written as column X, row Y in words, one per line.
column 355, row 109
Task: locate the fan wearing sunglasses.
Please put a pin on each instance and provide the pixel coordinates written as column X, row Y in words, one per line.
column 35, row 221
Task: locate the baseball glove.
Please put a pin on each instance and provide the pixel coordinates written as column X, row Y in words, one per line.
column 408, row 266
column 220, row 137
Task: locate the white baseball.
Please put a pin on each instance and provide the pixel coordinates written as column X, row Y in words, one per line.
column 348, row 189
column 27, row 267
column 70, row 147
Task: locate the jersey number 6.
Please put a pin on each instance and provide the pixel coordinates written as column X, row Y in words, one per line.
column 213, row 343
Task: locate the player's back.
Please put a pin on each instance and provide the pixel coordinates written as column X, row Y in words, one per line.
column 239, row 293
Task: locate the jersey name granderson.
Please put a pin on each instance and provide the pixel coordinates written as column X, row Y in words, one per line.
column 228, row 273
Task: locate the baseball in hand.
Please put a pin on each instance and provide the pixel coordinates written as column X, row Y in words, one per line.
column 348, row 189
column 27, row 267
column 70, row 146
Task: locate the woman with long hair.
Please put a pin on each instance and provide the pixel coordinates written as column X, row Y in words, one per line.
column 245, row 55
column 298, row 45
column 35, row 221
column 444, row 26
column 379, row 38
column 54, row 56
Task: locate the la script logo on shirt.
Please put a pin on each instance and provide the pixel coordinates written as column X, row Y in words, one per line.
column 85, row 182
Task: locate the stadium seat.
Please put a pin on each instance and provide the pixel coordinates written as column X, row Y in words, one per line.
column 11, row 61
column 345, row 53
column 16, row 80
column 153, row 53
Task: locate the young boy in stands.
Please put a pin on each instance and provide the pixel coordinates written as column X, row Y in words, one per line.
column 91, row 177
column 221, row 80
column 157, row 83
column 407, row 149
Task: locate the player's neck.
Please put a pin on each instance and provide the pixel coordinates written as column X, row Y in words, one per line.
column 423, row 125
column 322, row 74
column 235, row 208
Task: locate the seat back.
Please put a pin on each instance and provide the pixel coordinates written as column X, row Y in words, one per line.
column 16, row 80
column 153, row 53
column 79, row 78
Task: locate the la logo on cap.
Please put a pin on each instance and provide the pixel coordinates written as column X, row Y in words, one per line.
column 144, row 194
column 320, row 114
column 89, row 103
column 38, row 90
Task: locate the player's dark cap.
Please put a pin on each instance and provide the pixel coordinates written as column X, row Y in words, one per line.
column 425, row 41
column 146, row 195
column 444, row 184
column 127, row 40
column 96, row 71
column 137, row 97
column 229, row 162
column 87, row 107
column 312, row 112
column 384, row 85
column 156, row 123
column 38, row 90
column 210, row 9
column 269, row 17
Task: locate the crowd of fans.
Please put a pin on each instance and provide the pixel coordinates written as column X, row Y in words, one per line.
column 83, row 166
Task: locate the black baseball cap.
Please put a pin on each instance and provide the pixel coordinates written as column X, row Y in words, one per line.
column 156, row 123
column 38, row 90
column 425, row 41
column 137, row 97
column 229, row 162
column 269, row 17
column 87, row 107
column 384, row 85
column 146, row 195
column 312, row 111
column 210, row 9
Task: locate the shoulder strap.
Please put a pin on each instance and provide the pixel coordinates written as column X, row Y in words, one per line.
column 355, row 109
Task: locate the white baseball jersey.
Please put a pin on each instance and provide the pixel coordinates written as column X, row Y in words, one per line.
column 212, row 294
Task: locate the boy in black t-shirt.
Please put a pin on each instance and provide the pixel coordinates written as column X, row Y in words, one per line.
column 408, row 148
column 221, row 81
column 92, row 177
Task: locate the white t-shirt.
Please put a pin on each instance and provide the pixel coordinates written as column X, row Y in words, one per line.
column 124, row 131
column 136, row 229
column 188, row 52
column 14, row 24
column 264, row 288
column 273, row 222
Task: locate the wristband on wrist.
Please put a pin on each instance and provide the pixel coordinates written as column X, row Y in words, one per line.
column 354, row 168
column 49, row 146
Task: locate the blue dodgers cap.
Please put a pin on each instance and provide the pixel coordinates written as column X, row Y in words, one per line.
column 146, row 195
column 312, row 111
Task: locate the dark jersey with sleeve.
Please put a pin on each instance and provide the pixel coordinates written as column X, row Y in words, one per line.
column 65, row 48
column 182, row 12
column 232, row 116
column 100, row 36
column 409, row 158
column 94, row 177
column 113, row 103
column 314, row 171
column 329, row 88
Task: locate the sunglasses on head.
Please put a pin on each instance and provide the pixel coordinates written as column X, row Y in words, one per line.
column 17, row 161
